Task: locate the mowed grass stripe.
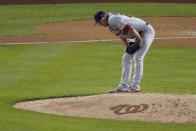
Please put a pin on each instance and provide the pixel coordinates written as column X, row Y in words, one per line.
column 85, row 69
column 25, row 61
column 22, row 19
column 170, row 69
column 75, row 69
column 53, row 70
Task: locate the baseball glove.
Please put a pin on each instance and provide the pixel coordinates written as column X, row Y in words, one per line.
column 132, row 47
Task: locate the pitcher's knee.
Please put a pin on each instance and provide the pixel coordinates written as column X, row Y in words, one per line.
column 139, row 60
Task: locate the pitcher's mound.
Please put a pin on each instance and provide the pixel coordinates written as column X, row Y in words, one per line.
column 145, row 107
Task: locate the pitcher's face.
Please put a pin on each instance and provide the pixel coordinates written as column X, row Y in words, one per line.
column 103, row 21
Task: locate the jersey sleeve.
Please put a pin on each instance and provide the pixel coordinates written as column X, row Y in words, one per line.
column 118, row 23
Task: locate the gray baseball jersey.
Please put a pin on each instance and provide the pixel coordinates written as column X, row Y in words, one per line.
column 118, row 22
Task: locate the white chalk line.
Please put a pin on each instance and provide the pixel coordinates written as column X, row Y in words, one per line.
column 89, row 41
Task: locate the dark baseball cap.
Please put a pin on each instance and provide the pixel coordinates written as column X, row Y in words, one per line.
column 98, row 15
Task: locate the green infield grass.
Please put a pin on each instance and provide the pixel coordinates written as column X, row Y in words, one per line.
column 22, row 19
column 54, row 70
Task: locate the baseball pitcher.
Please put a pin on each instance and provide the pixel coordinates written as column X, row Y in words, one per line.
column 137, row 36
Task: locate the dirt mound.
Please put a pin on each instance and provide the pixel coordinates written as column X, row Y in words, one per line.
column 145, row 107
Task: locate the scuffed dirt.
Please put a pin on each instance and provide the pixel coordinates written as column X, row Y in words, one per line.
column 165, row 108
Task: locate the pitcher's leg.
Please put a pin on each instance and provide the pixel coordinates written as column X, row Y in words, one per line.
column 148, row 38
column 126, row 69
column 126, row 74
column 138, row 64
column 138, row 73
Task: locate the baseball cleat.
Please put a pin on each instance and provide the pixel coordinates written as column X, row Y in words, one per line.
column 135, row 90
column 121, row 90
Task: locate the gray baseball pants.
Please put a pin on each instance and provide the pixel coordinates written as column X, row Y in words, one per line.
column 138, row 58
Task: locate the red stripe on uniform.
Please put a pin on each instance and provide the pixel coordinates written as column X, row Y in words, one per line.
column 126, row 28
